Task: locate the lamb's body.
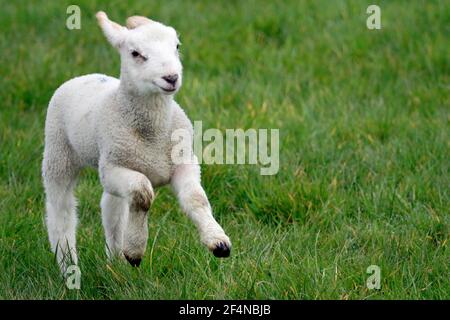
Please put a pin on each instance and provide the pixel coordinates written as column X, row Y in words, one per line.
column 124, row 128
column 90, row 114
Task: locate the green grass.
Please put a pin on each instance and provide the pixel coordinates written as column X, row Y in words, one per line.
column 364, row 151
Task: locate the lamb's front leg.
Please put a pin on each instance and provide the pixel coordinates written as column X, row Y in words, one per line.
column 186, row 185
column 137, row 190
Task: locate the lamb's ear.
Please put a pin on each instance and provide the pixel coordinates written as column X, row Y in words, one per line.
column 136, row 21
column 113, row 31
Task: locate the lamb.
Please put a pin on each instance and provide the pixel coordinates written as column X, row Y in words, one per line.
column 123, row 127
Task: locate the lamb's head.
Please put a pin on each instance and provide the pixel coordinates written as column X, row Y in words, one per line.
column 150, row 62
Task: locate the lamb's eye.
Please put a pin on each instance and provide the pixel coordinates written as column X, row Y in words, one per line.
column 136, row 54
column 178, row 46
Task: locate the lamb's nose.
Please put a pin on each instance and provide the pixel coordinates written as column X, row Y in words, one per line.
column 171, row 78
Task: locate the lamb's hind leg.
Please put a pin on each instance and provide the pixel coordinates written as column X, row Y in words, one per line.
column 114, row 217
column 60, row 175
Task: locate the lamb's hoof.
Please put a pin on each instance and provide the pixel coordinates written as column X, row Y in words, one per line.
column 135, row 262
column 221, row 250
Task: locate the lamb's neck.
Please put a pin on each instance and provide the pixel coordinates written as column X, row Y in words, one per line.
column 145, row 110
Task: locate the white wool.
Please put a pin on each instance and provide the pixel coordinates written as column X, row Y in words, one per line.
column 123, row 128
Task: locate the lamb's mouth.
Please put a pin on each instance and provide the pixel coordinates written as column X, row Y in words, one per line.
column 169, row 90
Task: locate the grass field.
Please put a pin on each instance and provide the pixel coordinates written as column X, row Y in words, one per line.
column 364, row 150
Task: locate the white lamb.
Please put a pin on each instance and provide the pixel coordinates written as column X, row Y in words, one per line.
column 123, row 128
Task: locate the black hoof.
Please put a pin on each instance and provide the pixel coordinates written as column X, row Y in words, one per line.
column 135, row 262
column 221, row 250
